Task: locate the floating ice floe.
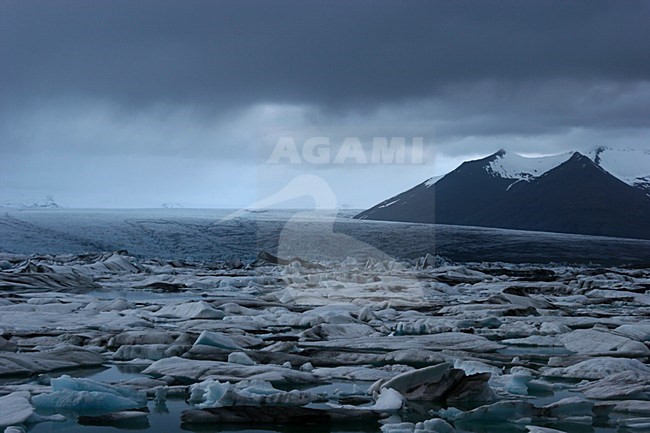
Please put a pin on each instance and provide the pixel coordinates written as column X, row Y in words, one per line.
column 188, row 311
column 212, row 393
column 153, row 352
column 61, row 357
column 570, row 409
column 85, row 395
column 597, row 368
column 149, row 336
column 188, row 371
column 435, row 425
column 635, row 424
column 623, row 385
column 453, row 334
column 439, row 383
column 214, row 339
column 240, row 358
column 596, row 342
column 387, row 399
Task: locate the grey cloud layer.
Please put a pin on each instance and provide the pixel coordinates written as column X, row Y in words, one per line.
column 338, row 54
column 207, row 87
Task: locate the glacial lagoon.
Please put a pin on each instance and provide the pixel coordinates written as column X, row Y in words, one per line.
column 174, row 310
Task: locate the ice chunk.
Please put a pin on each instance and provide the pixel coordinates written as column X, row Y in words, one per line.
column 307, row 367
column 212, row 393
column 208, row 338
column 623, row 385
column 149, row 337
column 61, row 357
column 598, row 368
column 401, row 427
column 388, row 399
column 86, row 395
column 633, row 406
column 553, row 328
column 190, row 310
column 116, row 262
column 517, row 381
column 84, row 401
column 435, row 425
column 473, row 367
column 153, row 352
column 362, row 373
column 640, row 424
column 15, row 408
column 440, row 382
column 327, row 331
column 597, row 342
column 188, row 370
column 635, row 331
column 569, row 407
column 240, row 358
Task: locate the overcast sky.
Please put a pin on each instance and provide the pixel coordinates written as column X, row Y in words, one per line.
column 139, row 103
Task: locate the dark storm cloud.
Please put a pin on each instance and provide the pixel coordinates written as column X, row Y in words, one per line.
column 132, row 103
column 332, row 54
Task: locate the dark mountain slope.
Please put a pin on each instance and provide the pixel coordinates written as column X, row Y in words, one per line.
column 577, row 196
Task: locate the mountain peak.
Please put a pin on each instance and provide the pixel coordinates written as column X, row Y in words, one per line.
column 566, row 193
column 579, row 157
column 509, row 165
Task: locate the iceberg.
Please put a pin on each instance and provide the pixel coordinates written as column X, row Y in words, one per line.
column 212, row 393
column 188, row 371
column 85, row 395
column 440, row 382
column 435, row 425
column 388, row 399
column 221, row 341
column 189, row 310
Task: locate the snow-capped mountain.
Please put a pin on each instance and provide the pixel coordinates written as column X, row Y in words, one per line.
column 630, row 165
column 569, row 193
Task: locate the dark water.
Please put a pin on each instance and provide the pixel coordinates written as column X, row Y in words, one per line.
column 213, row 235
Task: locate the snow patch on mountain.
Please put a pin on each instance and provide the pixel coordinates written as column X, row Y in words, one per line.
column 510, row 165
column 432, row 180
column 632, row 166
